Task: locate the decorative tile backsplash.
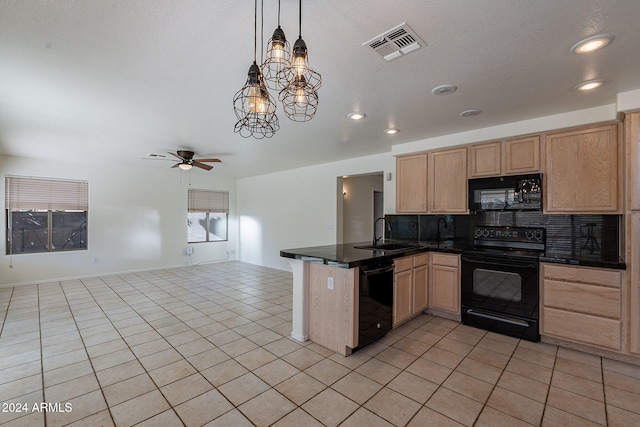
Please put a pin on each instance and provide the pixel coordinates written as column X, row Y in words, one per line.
column 596, row 236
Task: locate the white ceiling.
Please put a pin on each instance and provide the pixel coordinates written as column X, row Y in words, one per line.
column 109, row 81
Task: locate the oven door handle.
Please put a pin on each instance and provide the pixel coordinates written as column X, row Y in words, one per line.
column 524, row 264
column 498, row 318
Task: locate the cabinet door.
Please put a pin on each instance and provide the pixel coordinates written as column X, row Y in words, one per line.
column 632, row 142
column 402, row 309
column 582, row 173
column 448, row 181
column 485, row 160
column 444, row 283
column 521, row 156
column 420, row 275
column 411, row 184
column 582, row 305
column 633, row 255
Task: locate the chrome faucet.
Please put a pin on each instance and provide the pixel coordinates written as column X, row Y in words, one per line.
column 444, row 220
column 375, row 238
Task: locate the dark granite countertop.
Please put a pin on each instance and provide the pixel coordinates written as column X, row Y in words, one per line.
column 584, row 260
column 348, row 255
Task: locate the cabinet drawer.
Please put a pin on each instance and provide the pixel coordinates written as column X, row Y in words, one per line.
column 402, row 264
column 422, row 259
column 582, row 327
column 444, row 259
column 592, row 276
column 584, row 298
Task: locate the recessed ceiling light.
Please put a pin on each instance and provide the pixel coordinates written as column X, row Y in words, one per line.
column 444, row 89
column 469, row 113
column 592, row 43
column 589, row 85
column 356, row 116
column 391, row 131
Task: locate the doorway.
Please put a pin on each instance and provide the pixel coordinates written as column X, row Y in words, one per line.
column 360, row 202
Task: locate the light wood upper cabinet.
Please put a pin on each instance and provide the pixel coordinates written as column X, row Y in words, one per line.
column 632, row 140
column 448, row 181
column 512, row 157
column 485, row 159
column 582, row 171
column 411, row 183
column 521, row 156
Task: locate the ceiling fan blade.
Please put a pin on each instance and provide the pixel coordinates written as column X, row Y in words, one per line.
column 175, row 155
column 176, row 165
column 208, row 160
column 202, row 165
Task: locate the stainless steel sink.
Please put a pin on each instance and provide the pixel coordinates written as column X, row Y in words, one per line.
column 389, row 247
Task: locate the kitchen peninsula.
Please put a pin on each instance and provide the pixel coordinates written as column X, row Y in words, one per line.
column 327, row 302
column 325, row 288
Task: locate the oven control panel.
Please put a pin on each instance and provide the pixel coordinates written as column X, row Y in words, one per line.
column 509, row 234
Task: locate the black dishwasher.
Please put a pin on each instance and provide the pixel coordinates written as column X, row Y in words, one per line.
column 376, row 301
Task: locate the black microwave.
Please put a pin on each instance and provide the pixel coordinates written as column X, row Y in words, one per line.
column 506, row 193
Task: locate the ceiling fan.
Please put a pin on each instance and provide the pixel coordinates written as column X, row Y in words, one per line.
column 187, row 161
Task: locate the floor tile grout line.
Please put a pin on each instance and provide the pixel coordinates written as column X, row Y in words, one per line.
column 93, row 369
column 41, row 351
column 604, row 394
column 6, row 313
column 193, row 302
column 137, row 358
column 172, row 346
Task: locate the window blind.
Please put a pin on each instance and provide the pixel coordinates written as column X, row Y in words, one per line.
column 45, row 194
column 208, row 201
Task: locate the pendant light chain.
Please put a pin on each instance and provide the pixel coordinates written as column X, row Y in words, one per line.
column 299, row 96
column 254, row 107
column 278, row 58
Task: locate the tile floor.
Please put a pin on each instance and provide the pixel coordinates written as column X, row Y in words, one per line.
column 209, row 345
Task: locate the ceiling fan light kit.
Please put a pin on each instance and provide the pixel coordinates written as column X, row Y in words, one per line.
column 298, row 83
column 187, row 161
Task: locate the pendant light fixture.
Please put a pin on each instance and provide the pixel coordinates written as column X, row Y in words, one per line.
column 278, row 58
column 300, row 96
column 255, row 108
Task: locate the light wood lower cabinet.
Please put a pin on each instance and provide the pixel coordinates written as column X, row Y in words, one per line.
column 409, row 287
column 582, row 305
column 444, row 283
column 633, row 257
column 333, row 312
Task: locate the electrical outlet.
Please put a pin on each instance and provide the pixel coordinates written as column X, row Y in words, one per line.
column 188, row 250
column 330, row 283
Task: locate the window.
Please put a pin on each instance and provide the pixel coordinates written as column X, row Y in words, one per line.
column 208, row 216
column 45, row 215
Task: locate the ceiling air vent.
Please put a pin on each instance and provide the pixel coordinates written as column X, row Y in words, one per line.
column 395, row 42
